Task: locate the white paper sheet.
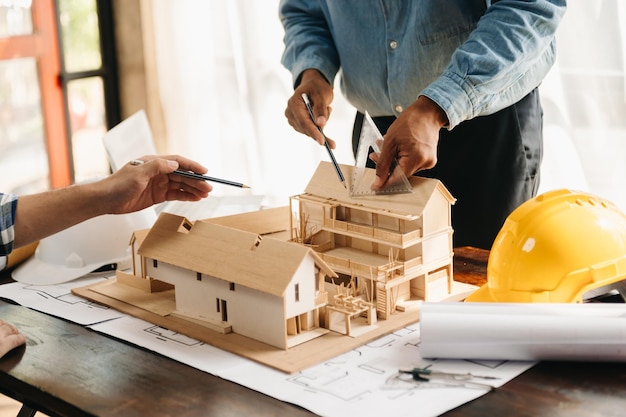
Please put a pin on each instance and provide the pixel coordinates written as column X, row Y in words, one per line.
column 362, row 382
column 510, row 331
column 58, row 300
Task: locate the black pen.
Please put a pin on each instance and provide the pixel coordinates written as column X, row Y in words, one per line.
column 190, row 174
column 330, row 151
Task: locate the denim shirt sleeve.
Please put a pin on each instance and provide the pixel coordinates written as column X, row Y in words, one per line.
column 308, row 40
column 505, row 57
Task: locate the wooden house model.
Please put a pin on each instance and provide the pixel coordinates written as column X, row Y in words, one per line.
column 325, row 266
column 235, row 281
column 390, row 251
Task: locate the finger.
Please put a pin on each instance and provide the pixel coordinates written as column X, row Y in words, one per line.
column 184, row 195
column 331, row 143
column 198, row 187
column 384, row 167
column 172, row 162
column 315, row 132
column 14, row 341
column 187, row 164
column 310, row 123
column 7, row 328
column 321, row 109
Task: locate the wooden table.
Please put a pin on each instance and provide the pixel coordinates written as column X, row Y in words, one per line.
column 68, row 370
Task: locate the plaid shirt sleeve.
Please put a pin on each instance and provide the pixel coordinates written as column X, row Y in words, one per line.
column 8, row 203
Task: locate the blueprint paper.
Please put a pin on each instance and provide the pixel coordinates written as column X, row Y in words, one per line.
column 361, row 382
column 524, row 331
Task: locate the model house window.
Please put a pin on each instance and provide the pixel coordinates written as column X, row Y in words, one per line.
column 217, row 305
column 198, row 276
column 224, row 311
column 155, row 263
column 297, row 290
column 185, row 226
column 231, row 286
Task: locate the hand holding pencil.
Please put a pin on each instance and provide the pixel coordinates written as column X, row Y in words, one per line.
column 307, row 103
column 135, row 186
column 196, row 176
column 148, row 180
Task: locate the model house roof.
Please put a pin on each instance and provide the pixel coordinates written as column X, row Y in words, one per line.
column 272, row 222
column 324, row 183
column 237, row 256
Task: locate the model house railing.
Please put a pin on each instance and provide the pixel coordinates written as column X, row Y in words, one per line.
column 350, row 267
column 321, row 298
column 373, row 233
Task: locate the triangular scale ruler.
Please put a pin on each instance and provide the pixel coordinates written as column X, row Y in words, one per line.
column 363, row 177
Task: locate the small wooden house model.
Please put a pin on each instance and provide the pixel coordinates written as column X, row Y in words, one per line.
column 237, row 281
column 391, row 251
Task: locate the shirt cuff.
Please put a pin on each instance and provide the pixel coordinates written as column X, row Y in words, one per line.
column 449, row 93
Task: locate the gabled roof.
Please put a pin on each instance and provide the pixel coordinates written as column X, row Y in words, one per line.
column 138, row 236
column 237, row 256
column 324, row 183
column 267, row 222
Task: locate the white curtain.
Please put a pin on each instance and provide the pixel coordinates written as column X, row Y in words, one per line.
column 584, row 99
column 224, row 93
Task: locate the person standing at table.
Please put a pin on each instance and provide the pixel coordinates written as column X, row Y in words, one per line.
column 134, row 187
column 452, row 85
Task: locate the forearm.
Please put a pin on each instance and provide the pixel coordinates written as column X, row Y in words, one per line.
column 43, row 214
column 131, row 188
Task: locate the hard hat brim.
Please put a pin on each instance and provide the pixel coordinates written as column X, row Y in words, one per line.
column 35, row 272
column 481, row 295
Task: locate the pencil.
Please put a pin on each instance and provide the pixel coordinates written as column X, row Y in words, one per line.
column 190, row 174
column 195, row 176
column 330, row 151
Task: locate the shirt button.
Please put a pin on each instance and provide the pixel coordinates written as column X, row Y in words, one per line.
column 393, row 44
column 399, row 108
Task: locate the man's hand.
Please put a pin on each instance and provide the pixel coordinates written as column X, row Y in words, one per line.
column 135, row 187
column 412, row 139
column 320, row 93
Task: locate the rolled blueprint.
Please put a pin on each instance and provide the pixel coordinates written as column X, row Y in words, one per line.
column 529, row 331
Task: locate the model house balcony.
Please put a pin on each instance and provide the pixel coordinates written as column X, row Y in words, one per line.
column 351, row 261
column 374, row 234
column 321, row 298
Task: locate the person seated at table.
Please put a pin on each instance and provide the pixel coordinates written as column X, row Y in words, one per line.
column 29, row 218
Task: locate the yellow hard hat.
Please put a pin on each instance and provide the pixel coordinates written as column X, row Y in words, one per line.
column 554, row 248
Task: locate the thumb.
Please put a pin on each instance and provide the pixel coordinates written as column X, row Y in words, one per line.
column 172, row 165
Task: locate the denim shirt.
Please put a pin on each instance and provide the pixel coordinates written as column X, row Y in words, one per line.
column 469, row 56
